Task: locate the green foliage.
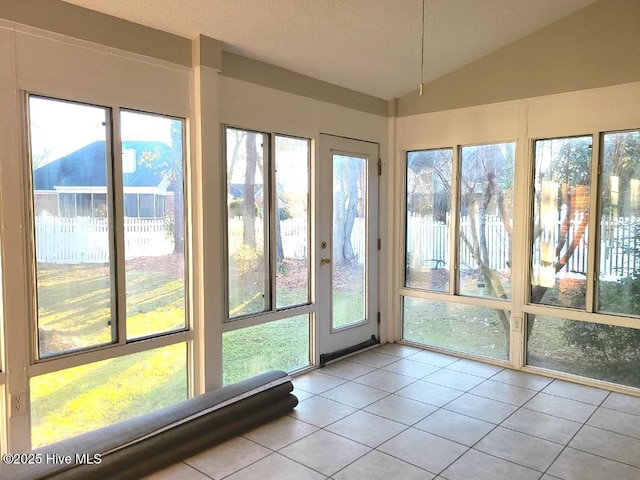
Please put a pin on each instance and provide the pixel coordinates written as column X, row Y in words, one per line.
column 236, row 208
column 604, row 343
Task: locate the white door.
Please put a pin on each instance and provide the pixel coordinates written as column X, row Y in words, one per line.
column 347, row 244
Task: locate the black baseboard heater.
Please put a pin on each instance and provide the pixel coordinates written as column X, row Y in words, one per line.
column 328, row 357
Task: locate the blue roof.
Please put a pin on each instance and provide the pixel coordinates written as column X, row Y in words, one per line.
column 86, row 167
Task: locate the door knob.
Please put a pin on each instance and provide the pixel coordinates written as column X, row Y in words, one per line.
column 325, row 260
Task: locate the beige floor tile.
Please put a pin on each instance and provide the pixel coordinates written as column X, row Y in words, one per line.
column 522, row 379
column 401, row 409
column 560, row 407
column 429, row 393
column 472, row 367
column 366, row 428
column 228, row 457
column 397, row 350
column 321, row 411
column 325, row 452
column 373, row 359
column 433, row 358
column 581, row 393
column 301, row 395
column 576, row 465
column 411, row 368
column 316, row 382
column 615, row 421
column 456, row 427
column 624, row 403
column 276, row 466
column 380, row 466
column 475, row 465
column 346, row 369
column 179, row 471
column 280, row 433
column 520, row 448
column 504, row 392
column 542, row 425
column 451, row 379
column 423, row 449
column 386, row 381
column 613, row 446
column 481, row 408
column 355, row 395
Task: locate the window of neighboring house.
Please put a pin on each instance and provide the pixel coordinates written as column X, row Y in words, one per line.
column 99, row 205
column 84, row 299
column 268, row 231
column 566, row 273
column 480, row 265
column 131, row 205
column 147, row 205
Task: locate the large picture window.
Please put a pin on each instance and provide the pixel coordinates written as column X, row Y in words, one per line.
column 268, row 248
column 566, row 273
column 480, row 183
column 109, row 265
column 268, row 222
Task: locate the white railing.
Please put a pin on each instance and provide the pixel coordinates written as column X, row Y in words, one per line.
column 86, row 239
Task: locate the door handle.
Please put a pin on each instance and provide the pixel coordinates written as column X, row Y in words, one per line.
column 325, row 260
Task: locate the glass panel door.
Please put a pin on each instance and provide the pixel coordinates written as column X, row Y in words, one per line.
column 349, row 279
column 347, row 243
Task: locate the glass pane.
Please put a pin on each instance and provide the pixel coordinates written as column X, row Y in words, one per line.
column 603, row 352
column 246, row 195
column 486, row 220
column 428, row 215
column 79, row 399
column 561, row 216
column 292, row 221
column 619, row 269
column 74, row 286
column 280, row 345
column 349, row 240
column 465, row 328
column 154, row 244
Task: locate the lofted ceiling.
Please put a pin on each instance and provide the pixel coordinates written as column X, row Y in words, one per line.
column 372, row 46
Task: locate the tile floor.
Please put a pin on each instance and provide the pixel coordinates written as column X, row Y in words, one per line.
column 401, row 413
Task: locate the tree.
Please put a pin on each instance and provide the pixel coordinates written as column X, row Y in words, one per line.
column 348, row 185
column 249, row 196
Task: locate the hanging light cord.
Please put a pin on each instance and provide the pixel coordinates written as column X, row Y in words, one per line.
column 422, row 52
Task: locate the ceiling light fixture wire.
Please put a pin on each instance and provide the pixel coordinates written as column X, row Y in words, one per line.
column 422, row 52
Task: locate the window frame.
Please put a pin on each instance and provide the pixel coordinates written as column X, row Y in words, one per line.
column 271, row 312
column 120, row 345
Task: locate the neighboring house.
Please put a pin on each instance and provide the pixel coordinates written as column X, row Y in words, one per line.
column 75, row 185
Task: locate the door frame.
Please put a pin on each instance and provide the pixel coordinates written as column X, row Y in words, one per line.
column 339, row 341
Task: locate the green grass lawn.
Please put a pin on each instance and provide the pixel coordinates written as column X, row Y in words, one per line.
column 74, row 308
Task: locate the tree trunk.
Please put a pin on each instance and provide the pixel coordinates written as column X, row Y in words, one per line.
column 249, row 205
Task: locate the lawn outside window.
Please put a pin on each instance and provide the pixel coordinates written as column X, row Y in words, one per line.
column 109, row 241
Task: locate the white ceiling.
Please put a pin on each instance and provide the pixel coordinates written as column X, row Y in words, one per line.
column 372, row 46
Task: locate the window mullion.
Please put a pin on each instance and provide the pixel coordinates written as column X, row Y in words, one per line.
column 115, row 192
column 594, row 221
column 271, row 194
column 454, row 220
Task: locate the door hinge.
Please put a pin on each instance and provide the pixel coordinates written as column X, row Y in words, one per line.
column 378, row 318
column 379, row 166
column 379, row 244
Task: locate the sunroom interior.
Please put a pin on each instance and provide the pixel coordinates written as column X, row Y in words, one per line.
column 485, row 231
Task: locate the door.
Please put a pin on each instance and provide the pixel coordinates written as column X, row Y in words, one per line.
column 347, row 243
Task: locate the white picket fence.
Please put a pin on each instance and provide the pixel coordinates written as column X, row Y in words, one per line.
column 428, row 243
column 295, row 238
column 86, row 240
